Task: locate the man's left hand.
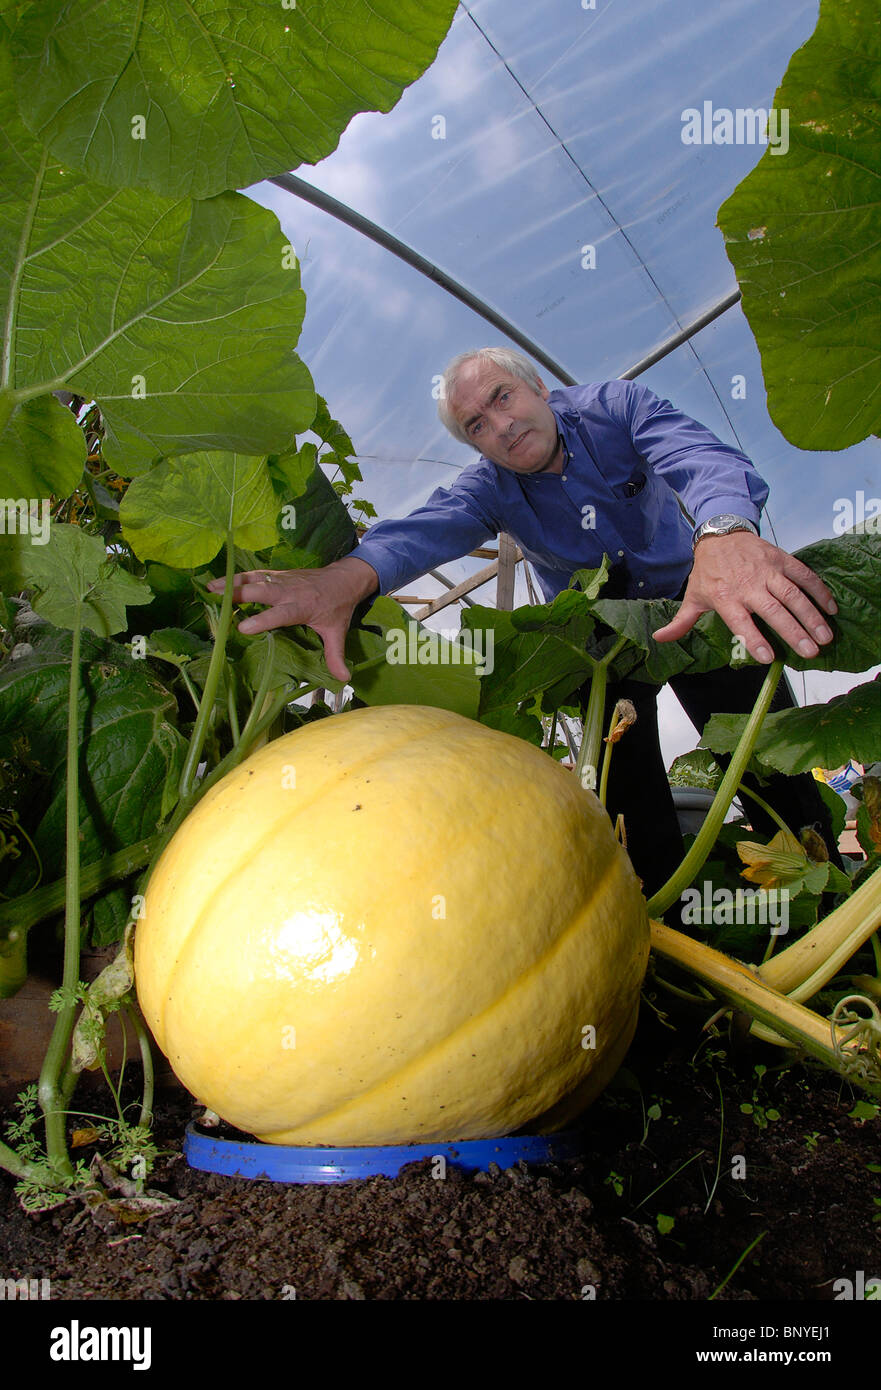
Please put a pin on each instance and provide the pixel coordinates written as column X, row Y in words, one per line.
column 739, row 575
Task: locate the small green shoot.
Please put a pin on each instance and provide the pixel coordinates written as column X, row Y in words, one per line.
column 762, row 1115
column 615, row 1181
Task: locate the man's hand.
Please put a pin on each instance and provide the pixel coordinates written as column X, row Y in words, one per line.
column 739, row 575
column 323, row 599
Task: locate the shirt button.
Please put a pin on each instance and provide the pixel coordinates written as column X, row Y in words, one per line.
column 641, row 584
column 620, row 554
column 563, row 479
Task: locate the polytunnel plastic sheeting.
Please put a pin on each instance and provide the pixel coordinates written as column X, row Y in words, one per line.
column 540, row 131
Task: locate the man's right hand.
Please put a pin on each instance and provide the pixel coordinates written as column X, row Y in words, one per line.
column 323, row 599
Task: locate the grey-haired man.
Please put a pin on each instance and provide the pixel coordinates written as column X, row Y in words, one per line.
column 572, row 474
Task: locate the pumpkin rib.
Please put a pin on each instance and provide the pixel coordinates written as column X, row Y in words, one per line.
column 192, row 936
column 417, row 1062
column 408, row 1023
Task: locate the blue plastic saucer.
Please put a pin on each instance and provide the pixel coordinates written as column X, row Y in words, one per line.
column 286, row 1163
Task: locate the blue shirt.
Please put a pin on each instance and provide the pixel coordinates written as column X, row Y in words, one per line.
column 627, row 454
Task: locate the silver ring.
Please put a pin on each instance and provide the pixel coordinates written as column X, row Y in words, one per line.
column 267, row 579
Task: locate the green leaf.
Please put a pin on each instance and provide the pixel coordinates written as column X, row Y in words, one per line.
column 297, row 656
column 836, row 808
column 851, row 567
column 291, row 473
column 705, row 648
column 349, row 469
column 665, row 1224
column 364, row 507
column 176, row 645
column 796, row 740
column 864, row 1110
column 130, row 750
column 229, row 94
column 182, row 511
column 695, row 769
column 42, row 449
column 417, row 666
column 323, row 531
column 330, row 431
column 591, row 581
column 804, row 236
column 536, row 648
column 178, row 317
column 73, row 571
column 868, row 831
column 511, row 719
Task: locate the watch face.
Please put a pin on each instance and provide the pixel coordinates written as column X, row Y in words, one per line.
column 723, row 526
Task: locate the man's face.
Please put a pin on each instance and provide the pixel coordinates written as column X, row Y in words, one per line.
column 509, row 423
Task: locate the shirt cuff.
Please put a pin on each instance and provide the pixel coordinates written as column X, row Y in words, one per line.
column 376, row 556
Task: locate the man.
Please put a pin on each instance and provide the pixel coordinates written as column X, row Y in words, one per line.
column 573, row 474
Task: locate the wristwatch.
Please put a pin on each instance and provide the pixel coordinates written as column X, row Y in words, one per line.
column 723, row 525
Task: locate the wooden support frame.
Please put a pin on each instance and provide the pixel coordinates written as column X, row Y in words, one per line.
column 510, row 555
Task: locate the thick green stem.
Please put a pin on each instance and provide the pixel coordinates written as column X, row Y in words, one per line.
column 49, row 1089
column 23, row 913
column 231, row 710
column 592, row 732
column 261, row 692
column 809, row 963
column 751, row 994
column 21, row 1167
column 706, row 837
column 146, row 1116
column 190, row 688
column 206, row 705
column 607, row 755
column 13, row 963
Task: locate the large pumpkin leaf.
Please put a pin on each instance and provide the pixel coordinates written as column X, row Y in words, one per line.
column 534, row 650
column 795, row 740
column 296, row 655
column 188, row 97
column 72, row 575
column 42, row 449
column 803, row 232
column 851, row 566
column 179, row 318
column 181, row 512
column 323, row 530
column 705, row 648
column 417, row 667
column 404, row 663
column 131, row 753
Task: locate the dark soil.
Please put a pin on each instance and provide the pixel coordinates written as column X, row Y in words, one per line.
column 663, row 1206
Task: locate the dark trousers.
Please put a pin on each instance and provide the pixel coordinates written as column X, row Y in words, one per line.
column 638, row 786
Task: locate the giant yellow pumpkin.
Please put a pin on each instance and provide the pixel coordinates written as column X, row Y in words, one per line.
column 393, row 925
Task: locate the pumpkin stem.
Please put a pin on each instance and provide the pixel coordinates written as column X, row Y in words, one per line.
column 706, row 837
